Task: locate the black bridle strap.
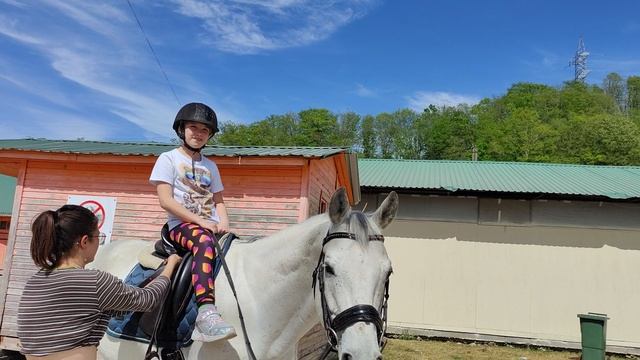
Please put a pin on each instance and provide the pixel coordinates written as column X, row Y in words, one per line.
column 338, row 235
column 355, row 314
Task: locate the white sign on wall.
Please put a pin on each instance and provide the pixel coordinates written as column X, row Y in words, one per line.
column 103, row 207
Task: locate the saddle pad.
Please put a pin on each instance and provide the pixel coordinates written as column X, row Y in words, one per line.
column 126, row 325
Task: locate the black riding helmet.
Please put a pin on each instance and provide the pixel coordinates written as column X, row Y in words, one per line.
column 196, row 112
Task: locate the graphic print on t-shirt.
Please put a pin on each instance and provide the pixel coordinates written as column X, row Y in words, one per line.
column 198, row 197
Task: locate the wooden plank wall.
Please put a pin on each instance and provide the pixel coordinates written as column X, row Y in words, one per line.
column 260, row 199
column 322, row 184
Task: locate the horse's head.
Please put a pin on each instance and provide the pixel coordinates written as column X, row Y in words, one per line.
column 352, row 278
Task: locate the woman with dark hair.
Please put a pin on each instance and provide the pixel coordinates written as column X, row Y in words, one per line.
column 65, row 308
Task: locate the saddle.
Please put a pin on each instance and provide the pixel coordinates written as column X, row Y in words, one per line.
column 175, row 318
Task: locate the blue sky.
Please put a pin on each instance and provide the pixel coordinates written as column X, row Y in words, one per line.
column 77, row 68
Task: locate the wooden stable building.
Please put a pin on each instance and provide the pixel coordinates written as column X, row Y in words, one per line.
column 266, row 189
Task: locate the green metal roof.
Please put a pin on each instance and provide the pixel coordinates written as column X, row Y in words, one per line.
column 7, row 191
column 615, row 182
column 154, row 149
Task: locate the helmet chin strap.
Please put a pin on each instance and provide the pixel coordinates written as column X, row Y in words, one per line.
column 184, row 142
column 193, row 162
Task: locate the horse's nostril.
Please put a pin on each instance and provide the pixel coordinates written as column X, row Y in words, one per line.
column 379, row 357
column 346, row 357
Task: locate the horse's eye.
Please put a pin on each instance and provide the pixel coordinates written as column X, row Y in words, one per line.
column 329, row 269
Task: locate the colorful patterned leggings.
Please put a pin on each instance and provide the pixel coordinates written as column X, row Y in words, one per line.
column 195, row 239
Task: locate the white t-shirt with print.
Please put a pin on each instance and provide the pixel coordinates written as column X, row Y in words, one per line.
column 195, row 193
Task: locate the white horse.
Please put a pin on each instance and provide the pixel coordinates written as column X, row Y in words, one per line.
column 273, row 279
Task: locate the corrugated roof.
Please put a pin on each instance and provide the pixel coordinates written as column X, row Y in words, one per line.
column 149, row 149
column 7, row 192
column 615, row 182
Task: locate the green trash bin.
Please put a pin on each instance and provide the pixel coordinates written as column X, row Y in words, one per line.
column 593, row 328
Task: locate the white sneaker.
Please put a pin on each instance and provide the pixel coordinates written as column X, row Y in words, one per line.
column 210, row 326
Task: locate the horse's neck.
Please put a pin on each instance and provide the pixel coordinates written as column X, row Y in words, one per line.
column 278, row 271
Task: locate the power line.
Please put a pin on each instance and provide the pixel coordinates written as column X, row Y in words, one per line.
column 153, row 51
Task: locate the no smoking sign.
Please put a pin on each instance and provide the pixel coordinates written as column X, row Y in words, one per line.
column 104, row 209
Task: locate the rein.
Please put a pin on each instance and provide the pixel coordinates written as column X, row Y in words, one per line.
column 357, row 313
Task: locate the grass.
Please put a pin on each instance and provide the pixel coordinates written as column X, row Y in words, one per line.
column 418, row 349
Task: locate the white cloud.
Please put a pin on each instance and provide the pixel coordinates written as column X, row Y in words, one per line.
column 364, row 91
column 251, row 26
column 622, row 66
column 38, row 88
column 101, row 18
column 548, row 58
column 14, row 3
column 8, row 28
column 99, row 64
column 116, row 67
column 56, row 125
column 422, row 99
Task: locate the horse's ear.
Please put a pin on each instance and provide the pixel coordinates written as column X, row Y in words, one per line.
column 339, row 206
column 387, row 211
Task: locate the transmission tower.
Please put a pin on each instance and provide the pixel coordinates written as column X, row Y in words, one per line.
column 579, row 62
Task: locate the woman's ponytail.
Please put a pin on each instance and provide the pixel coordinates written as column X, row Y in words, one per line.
column 43, row 243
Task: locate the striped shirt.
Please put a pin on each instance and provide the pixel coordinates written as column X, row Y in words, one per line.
column 65, row 309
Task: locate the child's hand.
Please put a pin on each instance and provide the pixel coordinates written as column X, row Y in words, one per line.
column 209, row 225
column 223, row 227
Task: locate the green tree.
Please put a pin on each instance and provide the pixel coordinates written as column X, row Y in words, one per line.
column 527, row 138
column 578, row 98
column 613, row 85
column 317, row 127
column 368, row 136
column 600, row 139
column 399, row 135
column 348, row 130
column 386, row 131
column 446, row 133
column 633, row 93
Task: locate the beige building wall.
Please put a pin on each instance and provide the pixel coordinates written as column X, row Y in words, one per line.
column 515, row 270
column 526, row 281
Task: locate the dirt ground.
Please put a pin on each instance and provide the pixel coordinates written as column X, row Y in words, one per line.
column 398, row 349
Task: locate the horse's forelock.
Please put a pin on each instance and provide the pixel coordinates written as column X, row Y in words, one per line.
column 359, row 225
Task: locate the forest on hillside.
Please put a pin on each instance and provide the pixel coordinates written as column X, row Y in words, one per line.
column 573, row 123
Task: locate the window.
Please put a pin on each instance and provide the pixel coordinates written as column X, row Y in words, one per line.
column 322, row 203
column 4, row 225
column 322, row 206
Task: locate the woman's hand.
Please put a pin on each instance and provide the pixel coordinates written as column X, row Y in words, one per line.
column 170, row 265
column 173, row 260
